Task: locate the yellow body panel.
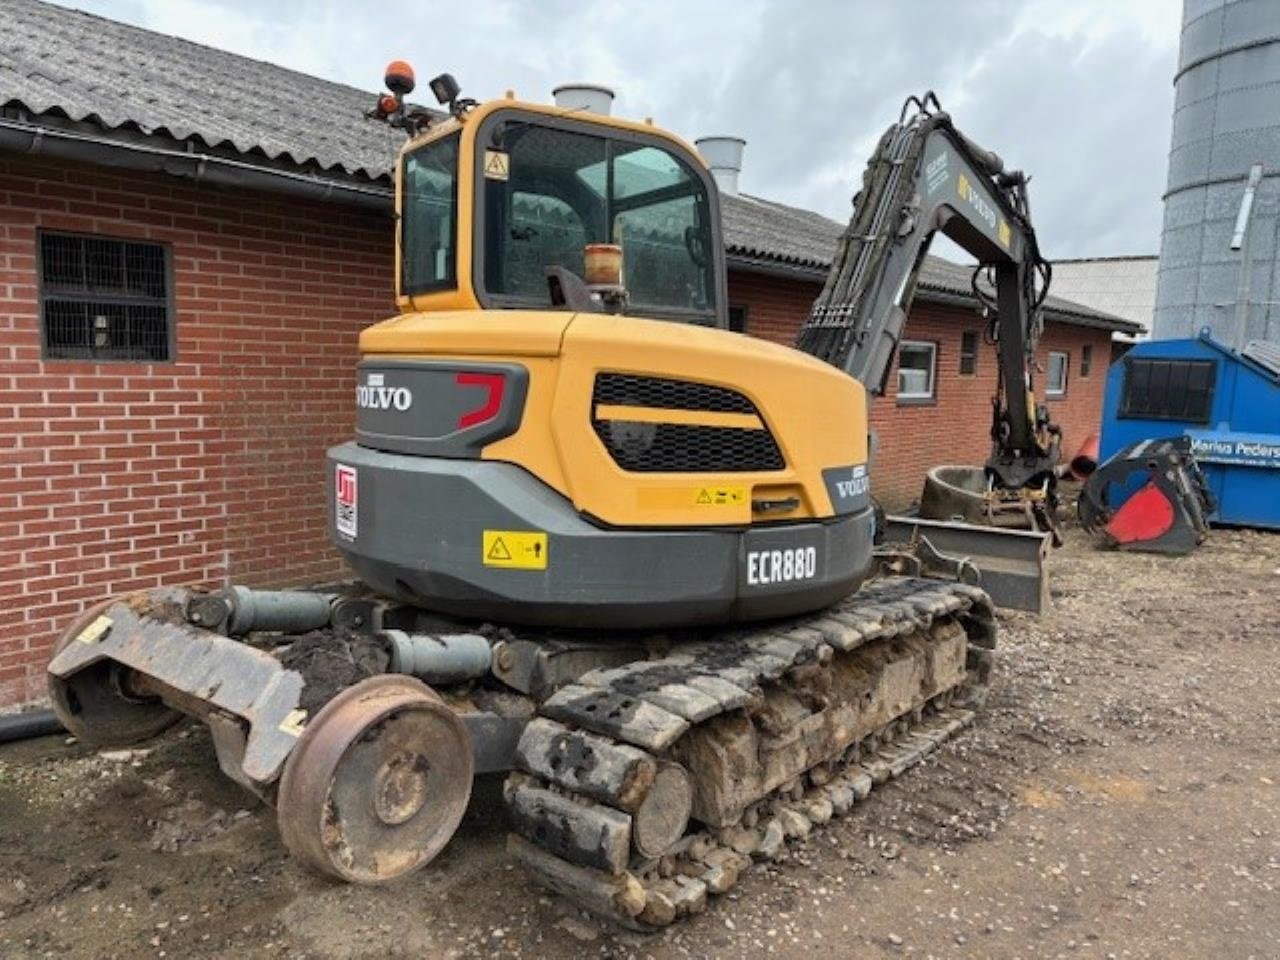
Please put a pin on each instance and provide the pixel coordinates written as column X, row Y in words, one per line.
column 516, row 333
column 816, row 414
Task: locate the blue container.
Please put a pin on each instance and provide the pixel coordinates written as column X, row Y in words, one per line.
column 1226, row 401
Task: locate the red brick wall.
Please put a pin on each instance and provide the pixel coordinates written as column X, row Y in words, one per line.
column 955, row 426
column 119, row 476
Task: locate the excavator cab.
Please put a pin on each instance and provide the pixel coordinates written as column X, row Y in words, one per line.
column 492, row 203
column 558, row 429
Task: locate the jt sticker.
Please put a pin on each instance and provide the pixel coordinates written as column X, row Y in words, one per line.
column 515, row 549
column 293, row 723
column 345, row 496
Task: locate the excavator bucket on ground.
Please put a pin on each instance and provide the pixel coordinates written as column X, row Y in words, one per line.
column 1150, row 497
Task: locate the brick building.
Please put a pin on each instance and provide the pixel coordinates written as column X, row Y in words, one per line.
column 190, row 242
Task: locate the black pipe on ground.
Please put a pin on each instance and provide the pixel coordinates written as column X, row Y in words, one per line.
column 25, row 726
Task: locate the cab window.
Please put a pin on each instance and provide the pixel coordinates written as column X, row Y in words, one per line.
column 542, row 214
column 552, row 191
column 429, row 212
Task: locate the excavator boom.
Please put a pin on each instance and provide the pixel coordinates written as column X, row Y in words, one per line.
column 925, row 177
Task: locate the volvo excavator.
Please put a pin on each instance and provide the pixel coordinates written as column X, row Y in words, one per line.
column 603, row 544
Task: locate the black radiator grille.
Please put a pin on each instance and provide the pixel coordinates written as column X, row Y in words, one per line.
column 634, row 391
column 675, row 447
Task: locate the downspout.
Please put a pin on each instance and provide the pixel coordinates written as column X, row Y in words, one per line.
column 25, row 726
column 31, row 138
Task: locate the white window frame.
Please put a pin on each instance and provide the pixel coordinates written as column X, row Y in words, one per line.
column 932, row 390
column 1049, row 389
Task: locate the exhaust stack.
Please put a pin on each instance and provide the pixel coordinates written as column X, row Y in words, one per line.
column 724, row 157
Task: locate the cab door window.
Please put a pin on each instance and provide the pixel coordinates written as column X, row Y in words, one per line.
column 542, row 214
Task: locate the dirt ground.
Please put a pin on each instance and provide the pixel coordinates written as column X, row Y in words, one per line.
column 1120, row 798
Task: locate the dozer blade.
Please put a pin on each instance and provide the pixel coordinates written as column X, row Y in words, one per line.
column 369, row 769
column 201, row 672
column 1007, row 564
column 1168, row 503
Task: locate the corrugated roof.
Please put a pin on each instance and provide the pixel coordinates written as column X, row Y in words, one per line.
column 761, row 230
column 1264, row 354
column 758, row 228
column 118, row 77
column 60, row 62
column 1122, row 286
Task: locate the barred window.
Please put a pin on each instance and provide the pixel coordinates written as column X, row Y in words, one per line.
column 104, row 299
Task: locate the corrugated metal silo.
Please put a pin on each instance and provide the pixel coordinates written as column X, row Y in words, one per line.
column 1226, row 119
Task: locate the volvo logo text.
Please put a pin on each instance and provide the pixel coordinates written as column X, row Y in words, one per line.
column 383, row 398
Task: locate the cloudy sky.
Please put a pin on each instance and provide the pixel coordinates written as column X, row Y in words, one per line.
column 1078, row 93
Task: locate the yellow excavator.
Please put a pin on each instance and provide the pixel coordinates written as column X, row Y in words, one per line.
column 602, row 542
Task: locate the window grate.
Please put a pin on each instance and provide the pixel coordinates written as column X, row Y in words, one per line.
column 104, row 299
column 1158, row 389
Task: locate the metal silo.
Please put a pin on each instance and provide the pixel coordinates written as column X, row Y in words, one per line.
column 1226, row 122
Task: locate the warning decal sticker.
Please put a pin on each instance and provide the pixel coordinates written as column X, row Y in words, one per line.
column 497, row 165
column 720, row 496
column 515, row 549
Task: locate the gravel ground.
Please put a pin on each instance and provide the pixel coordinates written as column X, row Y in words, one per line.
column 1119, row 798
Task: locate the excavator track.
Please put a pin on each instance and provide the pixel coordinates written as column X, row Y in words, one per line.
column 642, row 790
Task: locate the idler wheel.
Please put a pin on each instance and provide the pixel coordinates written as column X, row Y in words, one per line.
column 99, row 705
column 378, row 781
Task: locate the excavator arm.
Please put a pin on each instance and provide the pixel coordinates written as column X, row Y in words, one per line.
column 926, row 177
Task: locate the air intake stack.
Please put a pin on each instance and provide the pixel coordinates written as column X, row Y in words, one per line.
column 584, row 97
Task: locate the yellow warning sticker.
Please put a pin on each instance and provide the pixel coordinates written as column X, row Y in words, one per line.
column 497, row 165
column 293, row 723
column 95, row 631
column 1005, row 234
column 720, row 496
column 515, row 549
